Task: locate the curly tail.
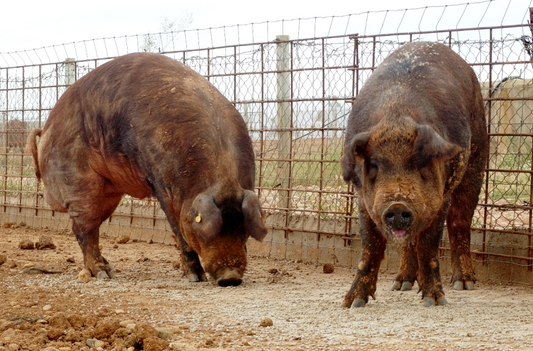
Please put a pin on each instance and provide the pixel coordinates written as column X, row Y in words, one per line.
column 32, row 147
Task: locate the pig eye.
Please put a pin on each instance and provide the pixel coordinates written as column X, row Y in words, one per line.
column 425, row 173
column 372, row 170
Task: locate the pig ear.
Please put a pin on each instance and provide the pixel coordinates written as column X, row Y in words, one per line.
column 352, row 149
column 207, row 217
column 253, row 219
column 429, row 145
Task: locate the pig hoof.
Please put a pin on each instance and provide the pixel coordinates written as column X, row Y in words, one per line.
column 406, row 286
column 102, row 275
column 428, row 302
column 111, row 273
column 358, row 303
column 442, row 302
column 230, row 277
column 463, row 285
column 195, row 278
column 396, row 286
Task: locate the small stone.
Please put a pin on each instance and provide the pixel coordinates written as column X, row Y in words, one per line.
column 163, row 333
column 123, row 239
column 91, row 343
column 26, row 244
column 71, row 260
column 328, row 268
column 120, row 311
column 125, row 323
column 130, row 341
column 47, row 307
column 273, row 271
column 3, row 259
column 65, row 348
column 84, row 276
column 13, row 347
column 115, row 246
column 50, row 348
column 45, row 242
column 99, row 344
column 8, row 334
column 266, row 322
column 176, row 264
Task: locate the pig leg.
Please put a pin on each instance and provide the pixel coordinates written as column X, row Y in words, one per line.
column 86, row 221
column 364, row 284
column 408, row 269
column 190, row 261
column 428, row 262
column 459, row 220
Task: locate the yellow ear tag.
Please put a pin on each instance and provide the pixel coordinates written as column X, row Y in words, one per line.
column 198, row 218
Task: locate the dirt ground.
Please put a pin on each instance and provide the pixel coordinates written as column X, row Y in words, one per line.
column 281, row 305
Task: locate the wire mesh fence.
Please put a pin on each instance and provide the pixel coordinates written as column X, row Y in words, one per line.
column 295, row 95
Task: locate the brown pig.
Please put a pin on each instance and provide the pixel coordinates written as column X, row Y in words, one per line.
column 415, row 150
column 144, row 124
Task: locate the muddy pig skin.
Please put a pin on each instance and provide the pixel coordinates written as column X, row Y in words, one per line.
column 415, row 150
column 146, row 125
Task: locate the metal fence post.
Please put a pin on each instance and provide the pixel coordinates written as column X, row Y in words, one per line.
column 70, row 71
column 284, row 118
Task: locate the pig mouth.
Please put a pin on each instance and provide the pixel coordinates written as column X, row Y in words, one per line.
column 398, row 234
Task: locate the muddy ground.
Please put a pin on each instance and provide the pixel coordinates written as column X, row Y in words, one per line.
column 281, row 305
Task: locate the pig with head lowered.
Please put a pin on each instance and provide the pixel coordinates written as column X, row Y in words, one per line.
column 415, row 150
column 144, row 124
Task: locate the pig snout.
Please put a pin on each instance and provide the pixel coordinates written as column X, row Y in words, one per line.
column 229, row 277
column 398, row 219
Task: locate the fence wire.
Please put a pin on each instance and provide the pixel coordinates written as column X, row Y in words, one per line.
column 295, row 95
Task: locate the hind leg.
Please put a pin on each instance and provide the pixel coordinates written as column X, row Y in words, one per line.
column 89, row 200
column 86, row 226
column 408, row 268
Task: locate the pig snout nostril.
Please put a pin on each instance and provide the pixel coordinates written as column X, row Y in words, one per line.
column 398, row 216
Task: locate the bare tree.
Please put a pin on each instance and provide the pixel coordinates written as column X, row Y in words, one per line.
column 161, row 41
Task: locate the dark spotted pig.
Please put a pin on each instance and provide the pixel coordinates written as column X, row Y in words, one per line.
column 416, row 148
column 144, row 124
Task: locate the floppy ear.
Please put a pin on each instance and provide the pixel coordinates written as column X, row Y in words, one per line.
column 253, row 220
column 429, row 145
column 353, row 148
column 207, row 217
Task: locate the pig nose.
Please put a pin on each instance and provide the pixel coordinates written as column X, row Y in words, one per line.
column 398, row 216
column 230, row 277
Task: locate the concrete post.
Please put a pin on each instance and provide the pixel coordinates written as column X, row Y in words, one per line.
column 70, row 71
column 284, row 118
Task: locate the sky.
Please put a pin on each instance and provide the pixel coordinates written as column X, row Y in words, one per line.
column 30, row 24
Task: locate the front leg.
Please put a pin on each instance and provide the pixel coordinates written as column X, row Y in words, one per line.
column 428, row 262
column 373, row 244
column 190, row 262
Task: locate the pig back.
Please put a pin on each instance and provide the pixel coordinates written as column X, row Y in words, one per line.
column 146, row 118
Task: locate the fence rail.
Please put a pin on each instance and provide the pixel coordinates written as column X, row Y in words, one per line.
column 295, row 96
